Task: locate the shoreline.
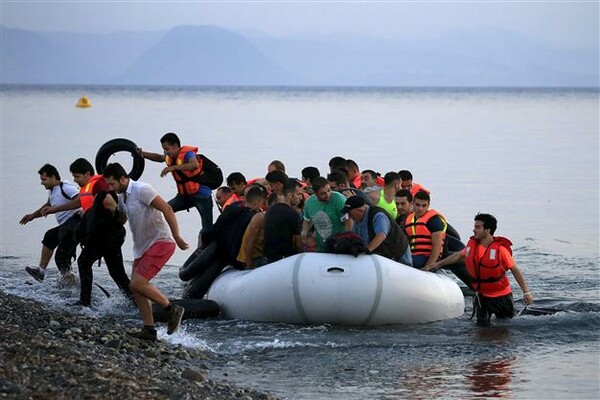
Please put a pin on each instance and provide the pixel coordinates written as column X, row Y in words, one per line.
column 49, row 353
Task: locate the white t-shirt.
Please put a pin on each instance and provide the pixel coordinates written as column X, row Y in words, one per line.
column 57, row 198
column 147, row 224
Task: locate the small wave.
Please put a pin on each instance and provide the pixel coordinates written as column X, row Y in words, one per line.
column 184, row 338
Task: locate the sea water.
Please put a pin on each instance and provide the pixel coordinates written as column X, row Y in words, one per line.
column 528, row 156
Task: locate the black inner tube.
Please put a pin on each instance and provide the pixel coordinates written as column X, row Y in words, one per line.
column 117, row 145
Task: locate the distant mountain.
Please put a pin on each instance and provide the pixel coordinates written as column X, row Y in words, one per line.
column 208, row 55
column 205, row 55
column 469, row 57
column 64, row 57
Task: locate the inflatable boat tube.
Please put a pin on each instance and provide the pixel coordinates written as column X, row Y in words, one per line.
column 200, row 260
column 117, row 145
column 194, row 309
column 197, row 287
column 337, row 289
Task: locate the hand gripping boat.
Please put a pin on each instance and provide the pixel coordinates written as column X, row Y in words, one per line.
column 321, row 288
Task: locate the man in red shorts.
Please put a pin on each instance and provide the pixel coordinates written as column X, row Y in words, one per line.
column 155, row 232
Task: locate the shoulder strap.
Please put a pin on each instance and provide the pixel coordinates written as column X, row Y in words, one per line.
column 65, row 195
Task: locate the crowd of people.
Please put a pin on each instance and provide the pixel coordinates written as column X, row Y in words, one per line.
column 261, row 221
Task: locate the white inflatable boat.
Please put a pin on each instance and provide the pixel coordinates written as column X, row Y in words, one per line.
column 318, row 288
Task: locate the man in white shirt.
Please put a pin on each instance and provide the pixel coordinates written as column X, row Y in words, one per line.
column 61, row 236
column 155, row 232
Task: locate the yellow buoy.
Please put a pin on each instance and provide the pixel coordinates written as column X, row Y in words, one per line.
column 84, row 102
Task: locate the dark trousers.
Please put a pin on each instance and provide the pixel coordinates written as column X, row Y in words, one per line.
column 204, row 205
column 484, row 307
column 113, row 257
column 62, row 238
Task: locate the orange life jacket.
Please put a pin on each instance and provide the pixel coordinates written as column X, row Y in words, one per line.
column 418, row 188
column 419, row 237
column 185, row 186
column 233, row 199
column 488, row 276
column 86, row 193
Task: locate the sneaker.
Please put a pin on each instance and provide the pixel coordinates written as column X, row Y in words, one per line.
column 144, row 334
column 174, row 318
column 36, row 273
column 68, row 279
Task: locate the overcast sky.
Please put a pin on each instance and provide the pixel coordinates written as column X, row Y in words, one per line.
column 565, row 23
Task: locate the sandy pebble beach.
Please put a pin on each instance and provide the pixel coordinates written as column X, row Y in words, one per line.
column 47, row 353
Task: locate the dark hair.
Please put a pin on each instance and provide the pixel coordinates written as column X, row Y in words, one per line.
column 338, row 176
column 391, row 177
column 319, row 182
column 81, row 166
column 115, row 171
column 422, row 195
column 371, row 172
column 289, row 187
column 170, row 138
column 236, row 178
column 310, row 173
column 279, row 166
column 276, row 176
column 405, row 193
column 489, row 221
column 351, row 164
column 49, row 170
column 256, row 192
column 224, row 189
column 337, row 162
column 405, row 175
column 344, row 170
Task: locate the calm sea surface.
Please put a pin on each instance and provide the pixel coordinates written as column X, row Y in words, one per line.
column 530, row 157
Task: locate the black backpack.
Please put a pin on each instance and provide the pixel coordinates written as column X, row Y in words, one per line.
column 210, row 174
column 346, row 243
column 98, row 228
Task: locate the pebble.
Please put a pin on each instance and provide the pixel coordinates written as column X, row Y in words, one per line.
column 91, row 359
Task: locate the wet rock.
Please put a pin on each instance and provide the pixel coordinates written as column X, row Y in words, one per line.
column 114, row 344
column 192, row 375
column 8, row 387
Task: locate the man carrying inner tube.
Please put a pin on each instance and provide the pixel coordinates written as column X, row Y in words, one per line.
column 183, row 164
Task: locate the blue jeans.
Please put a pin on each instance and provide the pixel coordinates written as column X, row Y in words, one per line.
column 204, row 205
column 406, row 258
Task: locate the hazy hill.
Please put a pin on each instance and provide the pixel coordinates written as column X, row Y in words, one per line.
column 65, row 57
column 206, row 55
column 474, row 57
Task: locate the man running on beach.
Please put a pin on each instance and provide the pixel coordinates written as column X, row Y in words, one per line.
column 61, row 236
column 155, row 232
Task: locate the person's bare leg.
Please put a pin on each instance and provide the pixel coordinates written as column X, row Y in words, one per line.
column 144, row 292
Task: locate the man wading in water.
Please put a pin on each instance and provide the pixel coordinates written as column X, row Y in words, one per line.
column 488, row 258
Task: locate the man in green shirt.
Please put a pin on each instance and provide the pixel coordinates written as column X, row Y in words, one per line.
column 325, row 211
